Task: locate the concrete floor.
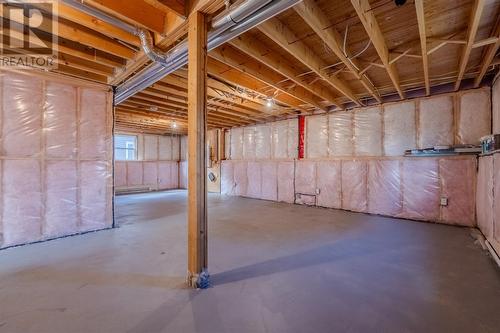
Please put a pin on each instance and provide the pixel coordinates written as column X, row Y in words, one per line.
column 275, row 268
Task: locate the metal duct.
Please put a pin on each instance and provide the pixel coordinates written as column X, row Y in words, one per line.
column 178, row 55
column 238, row 14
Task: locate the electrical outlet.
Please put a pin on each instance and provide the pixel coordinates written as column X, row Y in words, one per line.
column 444, row 201
column 318, row 191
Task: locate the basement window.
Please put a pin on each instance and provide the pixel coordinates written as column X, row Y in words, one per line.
column 125, row 147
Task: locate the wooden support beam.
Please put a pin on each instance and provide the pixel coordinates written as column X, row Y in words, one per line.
column 489, row 54
column 282, row 35
column 419, row 6
column 317, row 20
column 197, row 168
column 475, row 17
column 367, row 18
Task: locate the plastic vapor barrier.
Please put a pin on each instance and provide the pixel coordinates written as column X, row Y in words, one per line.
column 368, row 132
column 384, row 184
column 146, row 175
column 474, row 120
column 249, row 143
column 329, row 172
column 341, row 134
column 421, row 189
column 317, row 136
column 183, row 174
column 269, row 181
column 227, row 144
column 354, row 185
column 165, row 148
column 458, row 177
column 399, row 128
column 237, row 143
column 496, row 106
column 484, row 196
column 150, row 147
column 400, row 187
column 436, row 121
column 285, row 179
column 277, row 140
column 183, row 149
column 496, row 205
column 55, row 157
column 263, row 142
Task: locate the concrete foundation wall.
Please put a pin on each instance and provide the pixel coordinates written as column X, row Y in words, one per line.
column 401, row 187
column 55, row 157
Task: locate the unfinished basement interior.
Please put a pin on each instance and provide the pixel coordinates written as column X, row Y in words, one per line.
column 249, row 166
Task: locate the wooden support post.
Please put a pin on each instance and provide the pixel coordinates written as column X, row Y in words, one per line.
column 197, row 195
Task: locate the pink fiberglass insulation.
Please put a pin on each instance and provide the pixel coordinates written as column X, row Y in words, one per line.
column 316, row 136
column 436, row 121
column 150, row 174
column 93, row 124
column 458, row 179
column 254, row 180
column 165, row 148
column 60, row 120
column 227, row 177
column 496, row 205
column 22, row 115
column 496, row 106
column 134, row 173
column 240, row 178
column 176, row 146
column 341, row 134
column 95, row 178
column 269, row 176
column 183, row 174
column 174, row 174
column 150, row 147
column 22, row 215
column 474, row 120
column 286, row 192
column 61, row 206
column 249, row 142
column 420, row 189
column 263, row 141
column 120, row 173
column 368, row 132
column 484, row 196
column 305, row 177
column 354, row 186
column 384, row 187
column 292, row 138
column 279, row 139
column 164, row 176
column 237, row 143
column 399, row 128
column 328, row 180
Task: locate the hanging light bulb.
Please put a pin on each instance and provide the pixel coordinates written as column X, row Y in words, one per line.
column 174, row 124
column 269, row 102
